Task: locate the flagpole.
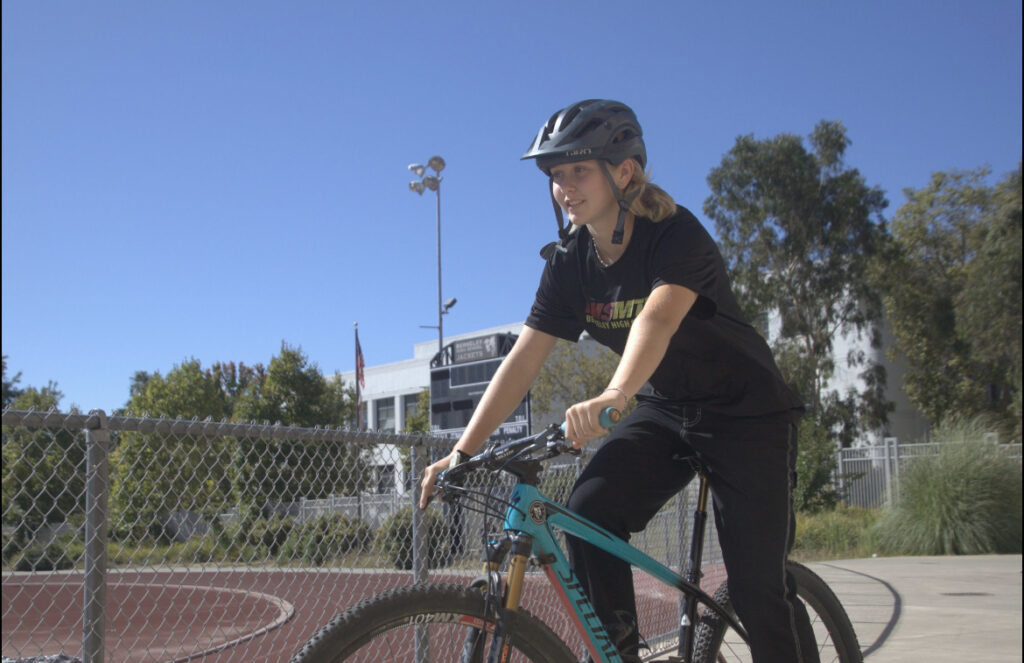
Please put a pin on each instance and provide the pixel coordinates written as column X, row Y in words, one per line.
column 359, row 400
column 359, row 421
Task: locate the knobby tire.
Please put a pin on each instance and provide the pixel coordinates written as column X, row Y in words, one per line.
column 386, row 627
column 715, row 642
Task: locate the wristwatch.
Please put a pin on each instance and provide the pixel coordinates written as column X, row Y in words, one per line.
column 459, row 457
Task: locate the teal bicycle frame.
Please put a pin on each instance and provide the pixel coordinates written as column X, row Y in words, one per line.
column 530, row 522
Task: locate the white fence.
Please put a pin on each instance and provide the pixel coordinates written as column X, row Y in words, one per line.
column 870, row 476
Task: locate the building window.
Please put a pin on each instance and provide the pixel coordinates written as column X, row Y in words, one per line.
column 385, row 479
column 410, row 405
column 384, row 410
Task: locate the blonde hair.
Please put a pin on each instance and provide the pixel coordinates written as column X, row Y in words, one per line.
column 653, row 201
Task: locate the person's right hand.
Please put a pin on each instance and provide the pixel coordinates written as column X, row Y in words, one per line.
column 583, row 420
column 430, row 478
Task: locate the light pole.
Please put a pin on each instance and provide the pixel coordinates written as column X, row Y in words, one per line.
column 420, row 543
column 433, row 182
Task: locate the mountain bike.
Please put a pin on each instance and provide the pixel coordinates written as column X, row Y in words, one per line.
column 484, row 620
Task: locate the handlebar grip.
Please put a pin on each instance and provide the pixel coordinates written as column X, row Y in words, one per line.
column 608, row 418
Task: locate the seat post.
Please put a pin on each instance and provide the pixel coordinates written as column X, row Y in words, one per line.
column 694, row 561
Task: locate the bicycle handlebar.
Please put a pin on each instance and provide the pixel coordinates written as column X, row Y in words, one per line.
column 500, row 456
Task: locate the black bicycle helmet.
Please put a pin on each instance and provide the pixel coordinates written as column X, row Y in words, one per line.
column 600, row 129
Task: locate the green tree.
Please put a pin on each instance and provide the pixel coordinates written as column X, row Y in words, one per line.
column 156, row 474
column 10, row 389
column 43, row 470
column 798, row 230
column 294, row 392
column 416, row 422
column 572, row 373
column 953, row 295
column 188, row 391
column 989, row 307
column 419, row 421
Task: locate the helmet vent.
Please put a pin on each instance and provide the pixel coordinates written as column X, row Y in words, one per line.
column 624, row 135
column 568, row 118
column 587, row 128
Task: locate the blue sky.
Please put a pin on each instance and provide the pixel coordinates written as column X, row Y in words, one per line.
column 209, row 179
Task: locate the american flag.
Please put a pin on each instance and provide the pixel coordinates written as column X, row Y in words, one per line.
column 360, row 381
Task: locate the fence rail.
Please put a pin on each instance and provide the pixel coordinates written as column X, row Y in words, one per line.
column 155, row 539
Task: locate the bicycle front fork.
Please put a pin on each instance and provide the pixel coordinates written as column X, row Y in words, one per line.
column 509, row 593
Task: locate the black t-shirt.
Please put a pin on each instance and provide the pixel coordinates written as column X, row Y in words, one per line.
column 716, row 359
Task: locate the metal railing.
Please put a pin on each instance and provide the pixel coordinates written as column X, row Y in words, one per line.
column 155, row 539
column 870, row 476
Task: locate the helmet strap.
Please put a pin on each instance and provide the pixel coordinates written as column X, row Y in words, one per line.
column 624, row 203
column 563, row 234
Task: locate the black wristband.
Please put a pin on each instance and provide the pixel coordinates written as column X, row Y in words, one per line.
column 459, row 457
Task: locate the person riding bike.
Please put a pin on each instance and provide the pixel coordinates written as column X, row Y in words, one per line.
column 642, row 276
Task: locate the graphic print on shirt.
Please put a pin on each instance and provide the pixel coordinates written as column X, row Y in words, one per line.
column 614, row 315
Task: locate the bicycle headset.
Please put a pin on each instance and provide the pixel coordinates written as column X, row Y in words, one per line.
column 600, row 129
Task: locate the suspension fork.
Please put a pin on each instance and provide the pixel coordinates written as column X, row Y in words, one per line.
column 491, row 585
column 688, row 623
column 509, row 592
column 521, row 548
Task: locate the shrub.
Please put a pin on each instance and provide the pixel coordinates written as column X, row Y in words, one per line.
column 394, row 540
column 324, row 537
column 12, row 545
column 271, row 533
column 267, row 533
column 965, row 500
column 815, row 463
column 842, row 532
column 63, row 552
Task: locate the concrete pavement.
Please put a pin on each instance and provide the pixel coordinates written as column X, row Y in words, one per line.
column 934, row 609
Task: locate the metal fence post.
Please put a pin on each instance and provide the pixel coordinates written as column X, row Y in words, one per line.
column 887, row 469
column 420, row 540
column 838, row 476
column 97, row 485
column 895, row 456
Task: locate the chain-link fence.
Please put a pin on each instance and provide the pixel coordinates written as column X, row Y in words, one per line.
column 152, row 539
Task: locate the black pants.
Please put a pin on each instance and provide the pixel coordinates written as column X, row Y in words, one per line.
column 750, row 466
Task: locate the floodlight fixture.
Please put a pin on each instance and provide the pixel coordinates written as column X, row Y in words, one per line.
column 436, row 163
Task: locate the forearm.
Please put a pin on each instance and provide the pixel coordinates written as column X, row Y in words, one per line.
column 645, row 348
column 649, row 338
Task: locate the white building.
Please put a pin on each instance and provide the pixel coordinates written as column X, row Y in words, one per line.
column 390, row 397
column 392, row 389
column 906, row 423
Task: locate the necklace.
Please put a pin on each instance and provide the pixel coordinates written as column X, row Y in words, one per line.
column 597, row 253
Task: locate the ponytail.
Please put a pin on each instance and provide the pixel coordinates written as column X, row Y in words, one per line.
column 653, row 202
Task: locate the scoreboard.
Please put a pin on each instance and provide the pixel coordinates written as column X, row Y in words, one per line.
column 459, row 374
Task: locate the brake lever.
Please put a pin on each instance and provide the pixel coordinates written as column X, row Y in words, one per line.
column 557, row 448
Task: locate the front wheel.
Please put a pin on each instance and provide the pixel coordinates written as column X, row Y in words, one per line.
column 436, row 623
column 715, row 642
